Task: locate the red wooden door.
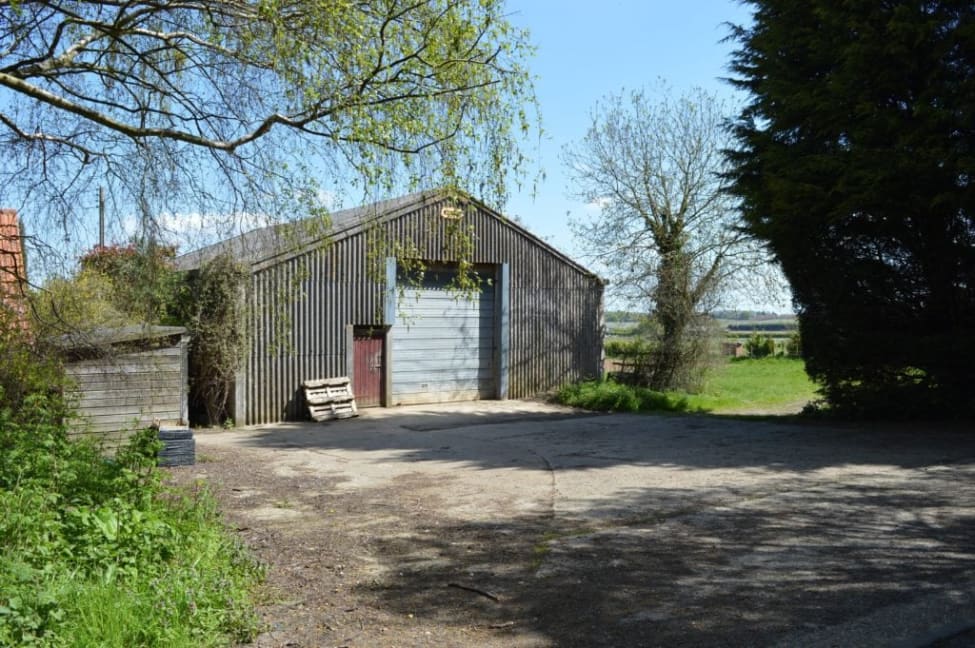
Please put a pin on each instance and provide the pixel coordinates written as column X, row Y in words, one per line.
column 367, row 376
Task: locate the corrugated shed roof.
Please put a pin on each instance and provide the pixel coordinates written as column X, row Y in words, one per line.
column 267, row 244
column 12, row 268
column 264, row 243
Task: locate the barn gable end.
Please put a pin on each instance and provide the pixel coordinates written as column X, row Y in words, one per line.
column 341, row 307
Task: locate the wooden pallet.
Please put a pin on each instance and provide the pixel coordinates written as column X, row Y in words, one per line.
column 330, row 398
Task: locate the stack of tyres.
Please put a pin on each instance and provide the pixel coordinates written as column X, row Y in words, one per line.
column 179, row 448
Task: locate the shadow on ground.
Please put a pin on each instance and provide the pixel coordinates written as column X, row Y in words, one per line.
column 582, row 440
column 550, row 528
column 773, row 567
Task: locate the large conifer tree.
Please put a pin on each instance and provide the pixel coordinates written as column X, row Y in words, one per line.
column 856, row 163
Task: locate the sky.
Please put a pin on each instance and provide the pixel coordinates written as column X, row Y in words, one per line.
column 588, row 50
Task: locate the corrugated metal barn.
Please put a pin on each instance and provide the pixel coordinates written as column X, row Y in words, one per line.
column 340, row 304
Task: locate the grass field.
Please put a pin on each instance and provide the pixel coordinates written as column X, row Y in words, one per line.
column 751, row 385
column 746, row 386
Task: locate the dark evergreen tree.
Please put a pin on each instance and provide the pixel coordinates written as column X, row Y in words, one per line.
column 856, row 163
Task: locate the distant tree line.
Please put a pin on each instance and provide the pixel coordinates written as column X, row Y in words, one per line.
column 762, row 326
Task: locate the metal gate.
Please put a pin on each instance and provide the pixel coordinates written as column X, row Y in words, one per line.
column 443, row 343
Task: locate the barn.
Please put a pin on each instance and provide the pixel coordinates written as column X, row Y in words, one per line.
column 352, row 301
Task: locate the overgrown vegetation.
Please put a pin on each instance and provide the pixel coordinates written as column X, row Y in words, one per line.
column 114, row 285
column 214, row 310
column 610, row 396
column 97, row 552
column 138, row 284
column 738, row 385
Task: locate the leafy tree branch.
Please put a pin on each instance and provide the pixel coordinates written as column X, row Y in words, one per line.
column 241, row 105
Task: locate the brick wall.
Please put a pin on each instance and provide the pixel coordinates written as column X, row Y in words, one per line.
column 12, row 268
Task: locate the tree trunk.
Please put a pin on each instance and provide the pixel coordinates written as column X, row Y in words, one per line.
column 674, row 310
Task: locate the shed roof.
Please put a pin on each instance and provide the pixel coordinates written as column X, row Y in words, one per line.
column 279, row 242
column 108, row 336
column 264, row 243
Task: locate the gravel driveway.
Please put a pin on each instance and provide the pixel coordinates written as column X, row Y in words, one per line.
column 523, row 524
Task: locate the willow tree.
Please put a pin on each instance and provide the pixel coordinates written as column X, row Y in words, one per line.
column 663, row 228
column 242, row 107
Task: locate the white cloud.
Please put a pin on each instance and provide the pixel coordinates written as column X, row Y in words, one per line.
column 192, row 230
column 597, row 205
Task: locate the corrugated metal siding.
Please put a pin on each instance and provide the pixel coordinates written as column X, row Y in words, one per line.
column 301, row 309
column 443, row 345
column 304, row 304
column 556, row 334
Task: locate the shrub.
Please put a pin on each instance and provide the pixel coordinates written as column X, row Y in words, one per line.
column 26, row 370
column 793, row 347
column 216, row 316
column 627, row 348
column 610, row 396
column 760, row 346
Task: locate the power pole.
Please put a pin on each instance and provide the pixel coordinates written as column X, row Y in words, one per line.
column 101, row 217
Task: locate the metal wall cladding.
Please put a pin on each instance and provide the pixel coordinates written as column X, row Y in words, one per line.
column 303, row 306
column 301, row 309
column 443, row 343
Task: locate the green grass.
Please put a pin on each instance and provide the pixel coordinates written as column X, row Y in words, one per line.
column 737, row 386
column 755, row 384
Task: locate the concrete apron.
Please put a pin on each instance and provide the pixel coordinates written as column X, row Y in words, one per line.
column 858, row 536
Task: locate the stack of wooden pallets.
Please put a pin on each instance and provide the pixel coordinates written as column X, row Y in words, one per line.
column 330, row 398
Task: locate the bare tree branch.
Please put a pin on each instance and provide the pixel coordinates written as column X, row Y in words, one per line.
column 663, row 227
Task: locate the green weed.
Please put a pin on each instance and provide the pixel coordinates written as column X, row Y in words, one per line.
column 97, row 552
column 609, row 396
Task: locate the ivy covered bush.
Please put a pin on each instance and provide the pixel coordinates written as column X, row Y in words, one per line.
column 214, row 310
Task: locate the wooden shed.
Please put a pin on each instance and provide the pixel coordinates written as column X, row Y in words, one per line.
column 341, row 303
column 128, row 378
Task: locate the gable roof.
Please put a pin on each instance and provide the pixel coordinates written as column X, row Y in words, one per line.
column 13, row 271
column 266, row 245
column 284, row 239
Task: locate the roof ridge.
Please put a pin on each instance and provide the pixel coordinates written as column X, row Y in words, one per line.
column 250, row 243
